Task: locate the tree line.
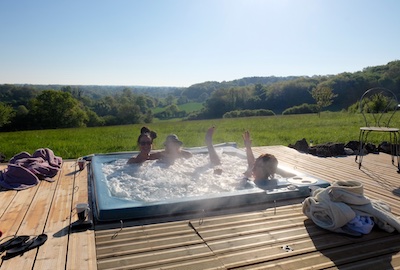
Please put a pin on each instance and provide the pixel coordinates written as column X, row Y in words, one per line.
column 25, row 107
column 301, row 94
column 29, row 108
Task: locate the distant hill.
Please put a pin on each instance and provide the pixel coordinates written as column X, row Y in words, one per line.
column 191, row 92
column 96, row 91
column 386, row 75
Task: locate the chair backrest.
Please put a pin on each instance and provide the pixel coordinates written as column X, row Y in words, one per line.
column 378, row 105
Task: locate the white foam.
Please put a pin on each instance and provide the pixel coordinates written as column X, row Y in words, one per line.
column 156, row 181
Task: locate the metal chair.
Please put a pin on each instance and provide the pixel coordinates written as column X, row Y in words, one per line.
column 378, row 106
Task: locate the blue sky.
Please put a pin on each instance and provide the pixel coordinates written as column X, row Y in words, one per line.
column 183, row 42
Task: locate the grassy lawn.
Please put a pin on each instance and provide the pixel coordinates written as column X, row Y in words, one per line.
column 188, row 107
column 271, row 130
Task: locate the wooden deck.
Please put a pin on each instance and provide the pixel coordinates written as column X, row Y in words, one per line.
column 49, row 208
column 276, row 237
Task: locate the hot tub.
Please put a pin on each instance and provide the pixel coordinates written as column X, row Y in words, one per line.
column 107, row 207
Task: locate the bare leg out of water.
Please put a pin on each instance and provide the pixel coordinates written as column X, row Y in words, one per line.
column 215, row 160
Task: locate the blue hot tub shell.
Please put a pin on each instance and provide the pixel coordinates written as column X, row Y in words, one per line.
column 110, row 208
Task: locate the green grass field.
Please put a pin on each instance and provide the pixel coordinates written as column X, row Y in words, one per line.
column 188, row 107
column 271, row 130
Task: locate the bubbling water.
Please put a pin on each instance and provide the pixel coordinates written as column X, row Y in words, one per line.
column 154, row 180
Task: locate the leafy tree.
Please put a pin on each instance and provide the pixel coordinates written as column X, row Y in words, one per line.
column 6, row 113
column 283, row 95
column 151, row 102
column 17, row 95
column 105, row 106
column 18, row 122
column 260, row 91
column 74, row 91
column 56, row 109
column 228, row 99
column 93, row 119
column 148, row 118
column 169, row 100
column 195, row 92
column 218, row 104
column 203, row 97
column 373, row 104
column 323, row 97
column 378, row 103
column 182, row 100
column 172, row 110
column 129, row 114
column 142, row 102
column 349, row 87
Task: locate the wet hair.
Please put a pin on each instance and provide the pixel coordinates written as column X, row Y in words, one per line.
column 270, row 164
column 144, row 131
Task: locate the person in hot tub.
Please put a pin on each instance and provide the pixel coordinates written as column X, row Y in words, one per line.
column 145, row 142
column 262, row 169
column 173, row 150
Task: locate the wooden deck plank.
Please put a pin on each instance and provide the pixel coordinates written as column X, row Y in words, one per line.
column 146, row 245
column 53, row 252
column 155, row 259
column 243, row 246
column 250, row 228
column 6, row 197
column 33, row 223
column 12, row 219
column 81, row 248
column 47, row 208
column 144, row 230
column 205, row 263
column 149, row 239
column 383, row 262
column 334, row 250
column 173, row 245
column 373, row 253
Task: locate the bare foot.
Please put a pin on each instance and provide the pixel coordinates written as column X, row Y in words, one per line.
column 218, row 171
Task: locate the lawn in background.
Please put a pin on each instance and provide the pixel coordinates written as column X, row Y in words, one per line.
column 271, row 130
